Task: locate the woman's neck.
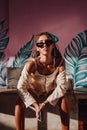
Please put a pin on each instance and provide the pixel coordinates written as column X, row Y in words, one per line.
column 46, row 60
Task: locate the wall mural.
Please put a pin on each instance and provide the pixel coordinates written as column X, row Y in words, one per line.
column 75, row 56
column 19, row 59
column 76, row 59
column 3, row 45
column 3, row 40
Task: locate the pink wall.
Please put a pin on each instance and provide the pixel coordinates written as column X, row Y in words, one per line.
column 65, row 18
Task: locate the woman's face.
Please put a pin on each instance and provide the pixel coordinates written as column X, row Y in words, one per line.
column 45, row 45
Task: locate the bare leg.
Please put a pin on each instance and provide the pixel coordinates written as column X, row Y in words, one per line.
column 64, row 113
column 19, row 115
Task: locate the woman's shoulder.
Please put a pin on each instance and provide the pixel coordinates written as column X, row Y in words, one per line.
column 60, row 64
column 30, row 65
column 61, row 68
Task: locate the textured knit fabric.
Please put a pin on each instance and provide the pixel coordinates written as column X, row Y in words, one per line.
column 53, row 85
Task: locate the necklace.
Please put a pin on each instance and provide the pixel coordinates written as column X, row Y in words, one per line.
column 45, row 64
column 45, row 68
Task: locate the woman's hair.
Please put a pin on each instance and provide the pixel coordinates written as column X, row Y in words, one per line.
column 55, row 52
column 53, row 37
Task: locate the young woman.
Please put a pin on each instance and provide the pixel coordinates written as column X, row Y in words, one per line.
column 43, row 76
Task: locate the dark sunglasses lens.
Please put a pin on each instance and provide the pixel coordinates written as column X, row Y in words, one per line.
column 41, row 45
column 49, row 42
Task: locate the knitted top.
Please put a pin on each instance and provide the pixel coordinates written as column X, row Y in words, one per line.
column 53, row 85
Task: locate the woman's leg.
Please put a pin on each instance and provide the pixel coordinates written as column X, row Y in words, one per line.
column 19, row 115
column 64, row 113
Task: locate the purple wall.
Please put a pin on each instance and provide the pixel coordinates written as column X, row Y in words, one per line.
column 65, row 18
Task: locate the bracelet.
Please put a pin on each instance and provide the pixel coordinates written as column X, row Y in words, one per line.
column 43, row 104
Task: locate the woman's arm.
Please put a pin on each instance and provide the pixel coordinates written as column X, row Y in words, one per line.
column 54, row 95
column 60, row 89
column 23, row 84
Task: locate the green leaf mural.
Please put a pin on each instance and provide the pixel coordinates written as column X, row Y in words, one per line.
column 1, row 24
column 3, row 45
column 3, row 40
column 24, row 54
column 3, row 74
column 19, row 59
column 76, row 59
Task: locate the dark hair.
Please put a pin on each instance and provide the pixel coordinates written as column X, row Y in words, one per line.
column 50, row 35
column 55, row 52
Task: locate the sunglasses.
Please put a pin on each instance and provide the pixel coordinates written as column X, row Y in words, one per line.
column 47, row 43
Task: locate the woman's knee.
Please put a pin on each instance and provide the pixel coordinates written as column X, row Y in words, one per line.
column 64, row 113
column 63, row 104
column 19, row 104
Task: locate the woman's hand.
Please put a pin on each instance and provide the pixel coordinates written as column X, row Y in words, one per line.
column 42, row 105
column 38, row 113
column 38, row 110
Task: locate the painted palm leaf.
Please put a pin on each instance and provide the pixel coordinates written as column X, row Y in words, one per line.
column 3, row 73
column 24, row 54
column 1, row 56
column 1, row 25
column 3, row 34
column 3, row 40
column 76, row 59
column 3, row 44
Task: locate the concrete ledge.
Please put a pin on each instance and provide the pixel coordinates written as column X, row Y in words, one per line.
column 7, row 120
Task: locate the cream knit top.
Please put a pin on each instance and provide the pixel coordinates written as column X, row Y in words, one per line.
column 55, row 84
